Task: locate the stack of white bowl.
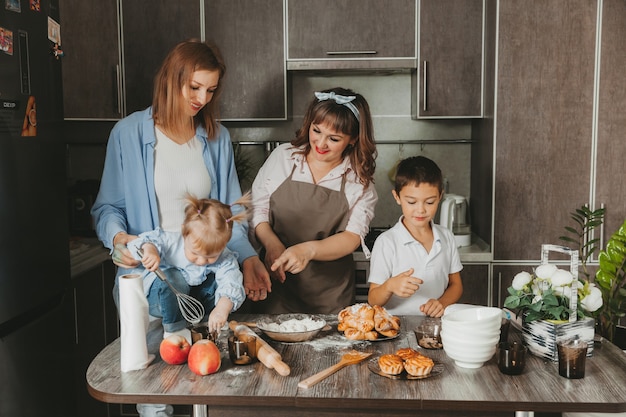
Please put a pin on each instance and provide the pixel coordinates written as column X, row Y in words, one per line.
column 470, row 336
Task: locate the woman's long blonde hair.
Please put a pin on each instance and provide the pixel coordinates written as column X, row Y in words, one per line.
column 210, row 221
column 176, row 71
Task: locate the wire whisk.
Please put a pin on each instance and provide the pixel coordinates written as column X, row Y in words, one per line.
column 191, row 309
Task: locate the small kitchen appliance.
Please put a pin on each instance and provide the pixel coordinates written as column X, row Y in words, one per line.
column 454, row 215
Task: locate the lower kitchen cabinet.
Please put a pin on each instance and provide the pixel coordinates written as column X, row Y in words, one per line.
column 96, row 323
column 475, row 279
column 503, row 278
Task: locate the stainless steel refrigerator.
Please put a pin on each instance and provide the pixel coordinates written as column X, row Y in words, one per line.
column 36, row 307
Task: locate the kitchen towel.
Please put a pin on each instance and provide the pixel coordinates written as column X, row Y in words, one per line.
column 134, row 321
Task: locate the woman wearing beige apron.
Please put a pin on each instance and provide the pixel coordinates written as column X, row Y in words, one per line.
column 313, row 201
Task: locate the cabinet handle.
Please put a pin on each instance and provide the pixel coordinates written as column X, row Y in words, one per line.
column 602, row 228
column 75, row 318
column 118, row 80
column 351, row 52
column 425, row 106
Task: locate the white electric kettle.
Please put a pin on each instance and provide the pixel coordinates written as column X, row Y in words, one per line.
column 454, row 215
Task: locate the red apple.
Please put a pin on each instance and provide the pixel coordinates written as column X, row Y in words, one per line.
column 204, row 358
column 174, row 349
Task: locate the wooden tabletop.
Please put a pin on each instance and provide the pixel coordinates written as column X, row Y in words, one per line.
column 539, row 388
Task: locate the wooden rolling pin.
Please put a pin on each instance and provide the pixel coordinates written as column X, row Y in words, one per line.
column 264, row 352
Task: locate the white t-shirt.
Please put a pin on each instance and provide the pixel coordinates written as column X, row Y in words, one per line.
column 178, row 169
column 396, row 251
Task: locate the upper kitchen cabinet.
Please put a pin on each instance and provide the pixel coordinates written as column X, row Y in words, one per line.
column 351, row 34
column 543, row 117
column 611, row 146
column 251, row 37
column 151, row 28
column 92, row 83
column 448, row 81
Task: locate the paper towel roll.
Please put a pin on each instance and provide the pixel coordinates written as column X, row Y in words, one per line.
column 134, row 323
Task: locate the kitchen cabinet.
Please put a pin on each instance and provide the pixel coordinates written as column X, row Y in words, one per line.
column 503, row 278
column 96, row 321
column 476, row 284
column 350, row 34
column 448, row 81
column 92, row 80
column 150, row 30
column 611, row 147
column 543, row 137
column 251, row 37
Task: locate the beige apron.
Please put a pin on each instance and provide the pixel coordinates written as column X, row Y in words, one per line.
column 301, row 212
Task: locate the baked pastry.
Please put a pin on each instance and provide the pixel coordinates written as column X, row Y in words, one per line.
column 355, row 334
column 358, row 323
column 419, row 365
column 385, row 323
column 406, row 353
column 360, row 310
column 391, row 364
column 363, row 318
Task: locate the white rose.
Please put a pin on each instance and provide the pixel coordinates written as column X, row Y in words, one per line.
column 562, row 291
column 593, row 300
column 561, row 277
column 521, row 280
column 545, row 271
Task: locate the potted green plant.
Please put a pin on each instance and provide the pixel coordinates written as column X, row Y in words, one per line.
column 578, row 236
column 611, row 279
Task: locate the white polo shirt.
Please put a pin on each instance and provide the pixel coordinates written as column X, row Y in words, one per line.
column 396, row 251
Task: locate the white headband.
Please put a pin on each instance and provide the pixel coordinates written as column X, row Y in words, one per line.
column 339, row 99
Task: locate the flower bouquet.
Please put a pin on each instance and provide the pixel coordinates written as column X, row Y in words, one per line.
column 554, row 305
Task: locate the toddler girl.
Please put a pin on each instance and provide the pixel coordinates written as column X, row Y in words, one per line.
column 196, row 261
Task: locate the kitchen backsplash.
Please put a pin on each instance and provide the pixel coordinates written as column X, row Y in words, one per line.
column 389, row 97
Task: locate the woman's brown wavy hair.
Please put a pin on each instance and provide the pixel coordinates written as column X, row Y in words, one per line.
column 363, row 154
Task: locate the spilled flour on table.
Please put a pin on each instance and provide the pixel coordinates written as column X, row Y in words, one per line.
column 240, row 371
column 336, row 341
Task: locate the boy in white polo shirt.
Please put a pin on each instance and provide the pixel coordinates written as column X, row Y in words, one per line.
column 415, row 266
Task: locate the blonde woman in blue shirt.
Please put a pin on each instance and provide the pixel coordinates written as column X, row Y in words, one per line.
column 176, row 146
column 156, row 156
column 415, row 266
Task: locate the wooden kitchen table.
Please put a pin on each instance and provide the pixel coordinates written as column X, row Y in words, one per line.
column 254, row 390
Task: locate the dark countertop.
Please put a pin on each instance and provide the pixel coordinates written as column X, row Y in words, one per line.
column 85, row 254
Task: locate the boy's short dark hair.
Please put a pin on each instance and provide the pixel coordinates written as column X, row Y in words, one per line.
column 417, row 170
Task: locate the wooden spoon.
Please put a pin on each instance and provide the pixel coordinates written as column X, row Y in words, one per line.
column 349, row 358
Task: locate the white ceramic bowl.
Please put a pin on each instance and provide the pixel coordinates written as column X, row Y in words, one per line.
column 470, row 341
column 470, row 329
column 479, row 318
column 469, row 359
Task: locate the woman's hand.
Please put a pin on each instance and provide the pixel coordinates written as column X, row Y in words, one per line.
column 272, row 253
column 256, row 279
column 294, row 259
column 121, row 255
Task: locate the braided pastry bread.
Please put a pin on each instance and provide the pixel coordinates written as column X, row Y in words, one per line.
column 354, row 334
column 364, row 322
